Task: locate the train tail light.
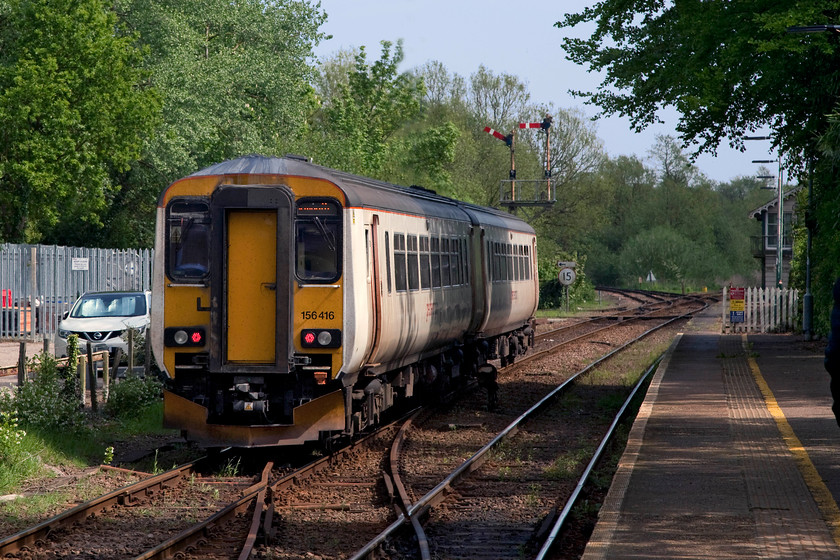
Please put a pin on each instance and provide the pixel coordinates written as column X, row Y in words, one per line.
column 320, row 338
column 321, row 377
column 184, row 336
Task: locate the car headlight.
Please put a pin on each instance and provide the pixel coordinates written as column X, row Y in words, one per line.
column 63, row 333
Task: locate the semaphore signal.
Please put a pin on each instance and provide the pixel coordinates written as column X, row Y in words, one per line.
column 510, row 198
column 506, row 139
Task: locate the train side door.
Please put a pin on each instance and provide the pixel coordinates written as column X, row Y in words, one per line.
column 251, row 282
column 373, row 283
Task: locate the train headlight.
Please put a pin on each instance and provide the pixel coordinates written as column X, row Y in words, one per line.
column 320, row 338
column 183, row 336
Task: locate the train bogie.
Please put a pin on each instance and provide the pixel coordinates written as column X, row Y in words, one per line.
column 294, row 303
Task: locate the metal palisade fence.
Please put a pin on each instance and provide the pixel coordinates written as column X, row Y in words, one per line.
column 760, row 310
column 39, row 283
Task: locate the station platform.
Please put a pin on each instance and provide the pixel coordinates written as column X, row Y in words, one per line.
column 735, row 453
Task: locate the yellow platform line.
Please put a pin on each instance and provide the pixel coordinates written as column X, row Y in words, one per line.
column 822, row 496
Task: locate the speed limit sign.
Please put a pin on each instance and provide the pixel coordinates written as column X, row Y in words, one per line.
column 567, row 276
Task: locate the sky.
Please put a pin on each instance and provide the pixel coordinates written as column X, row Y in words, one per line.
column 515, row 37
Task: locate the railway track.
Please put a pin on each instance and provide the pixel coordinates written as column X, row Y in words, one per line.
column 342, row 499
column 155, row 508
column 501, row 500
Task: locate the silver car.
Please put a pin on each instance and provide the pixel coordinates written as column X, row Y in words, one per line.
column 102, row 319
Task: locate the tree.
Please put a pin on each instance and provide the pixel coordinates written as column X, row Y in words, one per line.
column 74, row 108
column 664, row 252
column 234, row 78
column 362, row 116
column 727, row 67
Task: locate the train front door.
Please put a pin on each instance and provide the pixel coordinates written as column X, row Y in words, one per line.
column 253, row 296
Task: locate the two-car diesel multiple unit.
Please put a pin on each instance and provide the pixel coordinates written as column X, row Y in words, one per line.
column 294, row 303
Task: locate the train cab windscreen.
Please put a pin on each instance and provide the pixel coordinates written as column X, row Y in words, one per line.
column 318, row 240
column 188, row 240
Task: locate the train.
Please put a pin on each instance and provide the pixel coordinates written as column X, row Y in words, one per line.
column 296, row 304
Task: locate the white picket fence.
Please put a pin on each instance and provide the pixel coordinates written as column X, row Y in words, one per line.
column 765, row 310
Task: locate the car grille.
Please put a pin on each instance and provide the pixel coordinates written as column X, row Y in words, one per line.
column 98, row 336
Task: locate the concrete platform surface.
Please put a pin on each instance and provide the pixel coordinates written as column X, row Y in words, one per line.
column 734, row 454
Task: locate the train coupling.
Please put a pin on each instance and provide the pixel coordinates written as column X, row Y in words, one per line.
column 246, row 400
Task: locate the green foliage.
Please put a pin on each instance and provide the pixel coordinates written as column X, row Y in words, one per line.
column 43, row 403
column 728, row 68
column 552, row 292
column 11, row 437
column 131, row 395
column 73, row 111
column 234, row 79
column 19, row 453
column 356, row 125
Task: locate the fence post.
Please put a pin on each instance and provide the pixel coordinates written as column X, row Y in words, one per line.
column 762, row 298
column 81, row 370
column 106, row 378
column 148, row 348
column 91, row 369
column 115, row 367
column 130, row 352
column 22, row 365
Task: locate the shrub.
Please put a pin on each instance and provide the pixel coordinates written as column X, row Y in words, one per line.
column 44, row 403
column 132, row 395
column 11, row 437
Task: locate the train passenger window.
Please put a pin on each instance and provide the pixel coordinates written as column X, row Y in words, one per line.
column 465, row 262
column 517, row 265
column 509, row 258
column 425, row 272
column 435, row 250
column 527, row 264
column 388, row 261
column 496, row 269
column 454, row 262
column 444, row 262
column 318, row 240
column 413, row 268
column 188, row 239
column 399, row 262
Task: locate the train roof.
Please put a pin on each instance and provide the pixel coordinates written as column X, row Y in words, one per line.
column 363, row 192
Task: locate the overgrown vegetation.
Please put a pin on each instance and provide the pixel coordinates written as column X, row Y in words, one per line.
column 43, row 422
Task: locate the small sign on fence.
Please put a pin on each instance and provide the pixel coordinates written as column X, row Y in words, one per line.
column 736, row 305
column 759, row 310
column 79, row 263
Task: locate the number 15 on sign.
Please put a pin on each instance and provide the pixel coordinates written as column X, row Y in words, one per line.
column 567, row 276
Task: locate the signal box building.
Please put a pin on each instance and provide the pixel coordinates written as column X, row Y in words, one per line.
column 765, row 246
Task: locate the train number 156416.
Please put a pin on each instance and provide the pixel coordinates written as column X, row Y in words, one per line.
column 312, row 315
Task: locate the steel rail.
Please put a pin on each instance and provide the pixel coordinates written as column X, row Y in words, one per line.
column 437, row 494
column 121, row 496
column 197, row 534
column 570, row 503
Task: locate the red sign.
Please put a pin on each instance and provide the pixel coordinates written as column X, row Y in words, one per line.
column 736, row 293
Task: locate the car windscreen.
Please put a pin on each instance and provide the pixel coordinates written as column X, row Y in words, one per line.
column 110, row 305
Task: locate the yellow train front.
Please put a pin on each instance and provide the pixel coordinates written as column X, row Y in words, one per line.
column 294, row 303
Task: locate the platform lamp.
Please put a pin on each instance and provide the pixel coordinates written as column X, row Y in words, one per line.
column 808, row 298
